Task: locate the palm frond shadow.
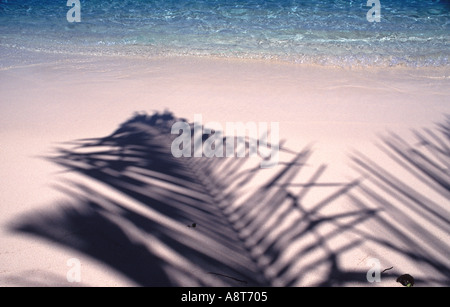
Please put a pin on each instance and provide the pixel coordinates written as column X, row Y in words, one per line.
column 417, row 219
column 132, row 210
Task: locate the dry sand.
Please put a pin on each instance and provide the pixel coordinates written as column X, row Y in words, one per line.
column 56, row 99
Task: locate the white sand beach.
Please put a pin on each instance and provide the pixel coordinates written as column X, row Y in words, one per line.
column 52, row 100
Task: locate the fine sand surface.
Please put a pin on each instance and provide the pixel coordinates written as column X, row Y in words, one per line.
column 53, row 99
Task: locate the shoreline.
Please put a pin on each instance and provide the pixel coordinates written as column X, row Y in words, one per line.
column 140, row 53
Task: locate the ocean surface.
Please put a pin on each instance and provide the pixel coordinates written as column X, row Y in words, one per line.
column 412, row 33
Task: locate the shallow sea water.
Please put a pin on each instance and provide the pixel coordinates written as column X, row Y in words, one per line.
column 410, row 33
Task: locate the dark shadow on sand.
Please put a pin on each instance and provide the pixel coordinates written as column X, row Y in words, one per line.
column 137, row 224
column 427, row 163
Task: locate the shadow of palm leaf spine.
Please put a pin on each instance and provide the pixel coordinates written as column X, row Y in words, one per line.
column 245, row 234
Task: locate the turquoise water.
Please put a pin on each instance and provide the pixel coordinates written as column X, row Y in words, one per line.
column 411, row 33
